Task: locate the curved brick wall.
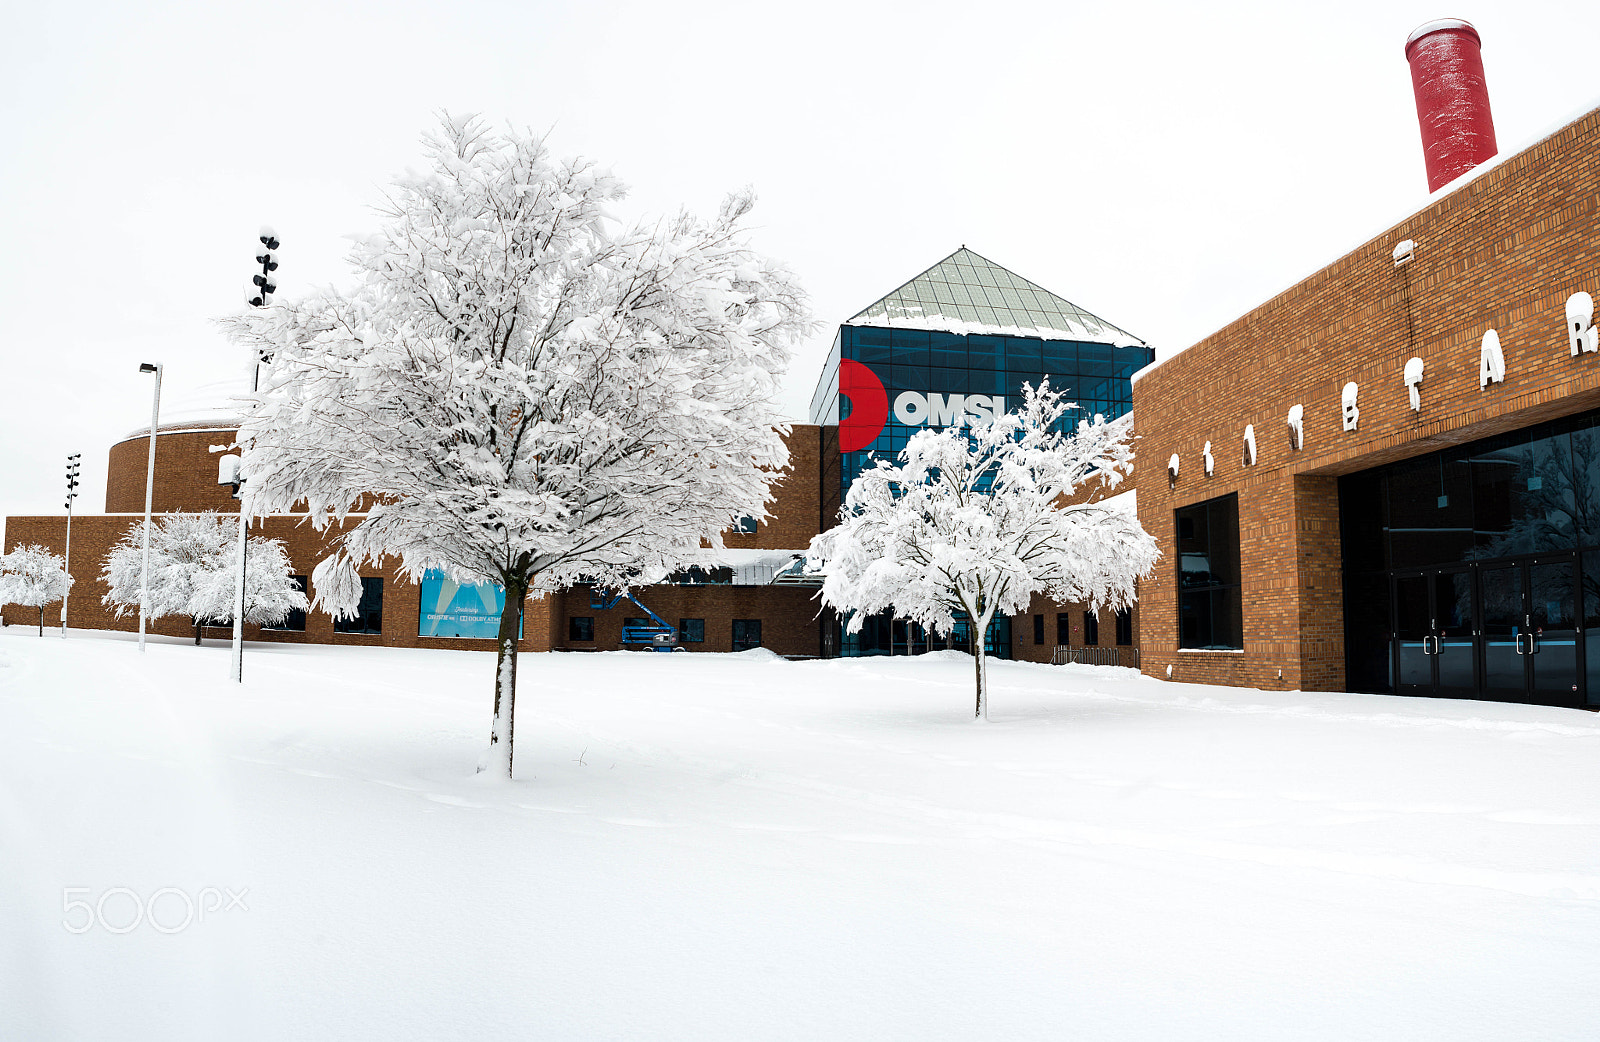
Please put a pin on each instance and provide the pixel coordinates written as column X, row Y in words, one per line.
column 186, row 472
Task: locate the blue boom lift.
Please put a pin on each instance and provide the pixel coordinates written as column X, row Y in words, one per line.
column 659, row 637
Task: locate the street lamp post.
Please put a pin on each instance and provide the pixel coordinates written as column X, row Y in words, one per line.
column 149, row 494
column 72, row 493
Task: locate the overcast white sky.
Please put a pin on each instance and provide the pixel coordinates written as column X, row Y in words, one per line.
column 1166, row 166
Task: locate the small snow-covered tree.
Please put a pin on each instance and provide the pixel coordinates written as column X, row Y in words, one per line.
column 972, row 524
column 194, row 559
column 33, row 577
column 523, row 390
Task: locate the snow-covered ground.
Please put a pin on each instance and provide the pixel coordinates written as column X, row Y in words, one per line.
column 739, row 847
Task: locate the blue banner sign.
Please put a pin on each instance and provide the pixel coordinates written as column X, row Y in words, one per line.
column 452, row 609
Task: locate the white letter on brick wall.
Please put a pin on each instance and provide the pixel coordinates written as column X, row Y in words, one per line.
column 1297, row 425
column 1581, row 333
column 1250, row 445
column 1413, row 377
column 1491, row 361
column 1205, row 454
column 1352, row 415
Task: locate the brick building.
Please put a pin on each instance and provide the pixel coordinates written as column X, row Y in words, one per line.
column 956, row 340
column 1441, row 543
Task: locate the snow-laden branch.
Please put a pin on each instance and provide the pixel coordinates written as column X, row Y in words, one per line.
column 523, row 389
column 970, row 525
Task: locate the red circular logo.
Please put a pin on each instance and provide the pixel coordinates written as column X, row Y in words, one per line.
column 869, row 406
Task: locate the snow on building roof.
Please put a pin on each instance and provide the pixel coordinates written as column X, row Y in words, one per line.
column 1387, row 221
column 1126, row 502
column 966, row 293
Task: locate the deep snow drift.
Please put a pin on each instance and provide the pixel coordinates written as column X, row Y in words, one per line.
column 738, row 847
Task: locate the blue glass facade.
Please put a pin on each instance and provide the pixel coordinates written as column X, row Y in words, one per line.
column 924, row 363
column 917, row 378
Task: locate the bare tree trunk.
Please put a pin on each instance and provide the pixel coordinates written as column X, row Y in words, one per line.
column 41, row 620
column 196, row 630
column 501, row 732
column 980, row 664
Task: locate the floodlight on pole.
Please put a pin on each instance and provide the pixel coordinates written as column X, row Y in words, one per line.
column 72, row 493
column 149, row 495
column 258, row 294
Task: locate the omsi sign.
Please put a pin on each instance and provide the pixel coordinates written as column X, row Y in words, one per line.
column 948, row 410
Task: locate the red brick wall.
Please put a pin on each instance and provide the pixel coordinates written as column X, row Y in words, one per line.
column 1024, row 649
column 185, row 481
column 1502, row 252
column 186, row 473
column 788, row 614
column 796, row 505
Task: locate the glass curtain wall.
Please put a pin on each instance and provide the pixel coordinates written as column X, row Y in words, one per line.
column 882, row 634
column 1095, row 376
column 1475, row 571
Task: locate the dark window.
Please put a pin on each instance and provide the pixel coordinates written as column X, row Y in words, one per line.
column 1063, row 627
column 1125, row 627
column 628, row 623
column 369, row 617
column 1091, row 629
column 1038, row 629
column 691, row 631
column 297, row 618
column 746, row 525
column 746, row 634
column 1209, row 610
column 580, row 628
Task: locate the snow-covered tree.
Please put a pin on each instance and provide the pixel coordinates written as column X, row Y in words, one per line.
column 33, row 577
column 523, row 390
column 969, row 525
column 194, row 561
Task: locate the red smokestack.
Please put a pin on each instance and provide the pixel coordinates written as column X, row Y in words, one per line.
column 1452, row 100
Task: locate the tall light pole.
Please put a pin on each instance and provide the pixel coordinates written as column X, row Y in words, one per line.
column 72, row 493
column 258, row 294
column 149, row 494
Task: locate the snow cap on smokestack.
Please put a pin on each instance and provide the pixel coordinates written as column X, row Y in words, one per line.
column 1452, row 100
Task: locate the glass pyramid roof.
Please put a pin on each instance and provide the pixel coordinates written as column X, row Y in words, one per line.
column 966, row 293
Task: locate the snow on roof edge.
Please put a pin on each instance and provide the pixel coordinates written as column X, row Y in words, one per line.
column 1547, row 131
column 221, row 423
column 945, row 324
column 1127, row 502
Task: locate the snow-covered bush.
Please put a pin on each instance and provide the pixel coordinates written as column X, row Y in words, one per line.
column 522, row 390
column 194, row 561
column 33, row 577
column 973, row 526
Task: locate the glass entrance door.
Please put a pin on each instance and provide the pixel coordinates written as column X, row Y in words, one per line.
column 1553, row 630
column 1413, row 636
column 1505, row 631
column 1436, row 633
column 1455, row 647
column 1530, row 630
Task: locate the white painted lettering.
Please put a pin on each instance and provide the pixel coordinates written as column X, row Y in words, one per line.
column 911, row 408
column 947, row 411
column 1581, row 332
column 1491, row 361
column 1413, row 377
